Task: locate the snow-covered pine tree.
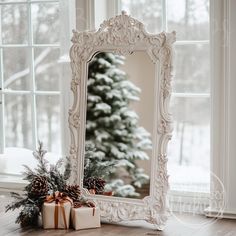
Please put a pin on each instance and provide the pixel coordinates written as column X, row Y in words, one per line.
column 112, row 126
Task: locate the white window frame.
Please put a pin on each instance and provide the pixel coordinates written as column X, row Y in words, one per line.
column 67, row 12
column 32, row 92
column 221, row 38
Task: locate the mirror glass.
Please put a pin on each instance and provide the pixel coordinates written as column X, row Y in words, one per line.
column 119, row 124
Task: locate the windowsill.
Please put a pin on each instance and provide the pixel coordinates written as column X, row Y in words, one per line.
column 10, row 183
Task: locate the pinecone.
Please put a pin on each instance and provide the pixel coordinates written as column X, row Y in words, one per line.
column 72, row 191
column 39, row 186
column 95, row 183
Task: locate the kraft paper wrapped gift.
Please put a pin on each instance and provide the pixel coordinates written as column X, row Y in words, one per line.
column 85, row 217
column 56, row 212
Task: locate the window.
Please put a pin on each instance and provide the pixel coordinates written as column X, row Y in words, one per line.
column 189, row 149
column 30, row 82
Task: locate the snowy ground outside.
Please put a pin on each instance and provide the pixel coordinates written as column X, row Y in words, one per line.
column 189, row 162
column 189, row 178
column 12, row 161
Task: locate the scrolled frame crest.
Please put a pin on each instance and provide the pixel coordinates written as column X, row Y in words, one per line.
column 123, row 35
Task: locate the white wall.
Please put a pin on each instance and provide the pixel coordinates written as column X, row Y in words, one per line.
column 231, row 204
column 223, row 58
column 141, row 71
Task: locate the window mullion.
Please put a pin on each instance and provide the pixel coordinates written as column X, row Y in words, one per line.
column 15, row 92
column 189, row 42
column 2, row 126
column 191, row 95
column 164, row 15
column 118, row 7
column 20, row 92
column 32, row 80
column 26, row 1
column 27, row 45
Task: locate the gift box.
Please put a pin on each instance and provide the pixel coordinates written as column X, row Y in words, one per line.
column 56, row 212
column 84, row 217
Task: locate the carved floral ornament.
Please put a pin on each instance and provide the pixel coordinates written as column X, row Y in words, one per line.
column 123, row 34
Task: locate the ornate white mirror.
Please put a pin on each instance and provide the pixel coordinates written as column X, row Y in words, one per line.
column 119, row 122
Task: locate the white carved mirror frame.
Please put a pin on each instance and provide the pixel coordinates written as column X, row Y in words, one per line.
column 123, row 35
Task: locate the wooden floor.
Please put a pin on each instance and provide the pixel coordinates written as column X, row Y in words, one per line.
column 188, row 226
column 179, row 225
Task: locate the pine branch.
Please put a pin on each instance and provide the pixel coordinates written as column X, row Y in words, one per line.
column 28, row 174
column 59, row 163
column 42, row 162
column 56, row 179
column 67, row 171
column 16, row 195
column 16, row 205
column 28, row 215
column 95, row 165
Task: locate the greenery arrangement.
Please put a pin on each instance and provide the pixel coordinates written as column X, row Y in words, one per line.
column 43, row 180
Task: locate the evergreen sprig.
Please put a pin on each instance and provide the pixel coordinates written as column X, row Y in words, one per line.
column 31, row 203
column 95, row 163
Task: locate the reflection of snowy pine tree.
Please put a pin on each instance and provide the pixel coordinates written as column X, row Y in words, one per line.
column 112, row 126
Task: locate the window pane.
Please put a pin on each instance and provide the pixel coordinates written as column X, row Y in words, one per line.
column 48, row 118
column 14, row 23
column 149, row 12
column 189, row 149
column 192, row 68
column 189, row 18
column 45, row 22
column 47, row 70
column 18, row 127
column 9, row 1
column 16, row 68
